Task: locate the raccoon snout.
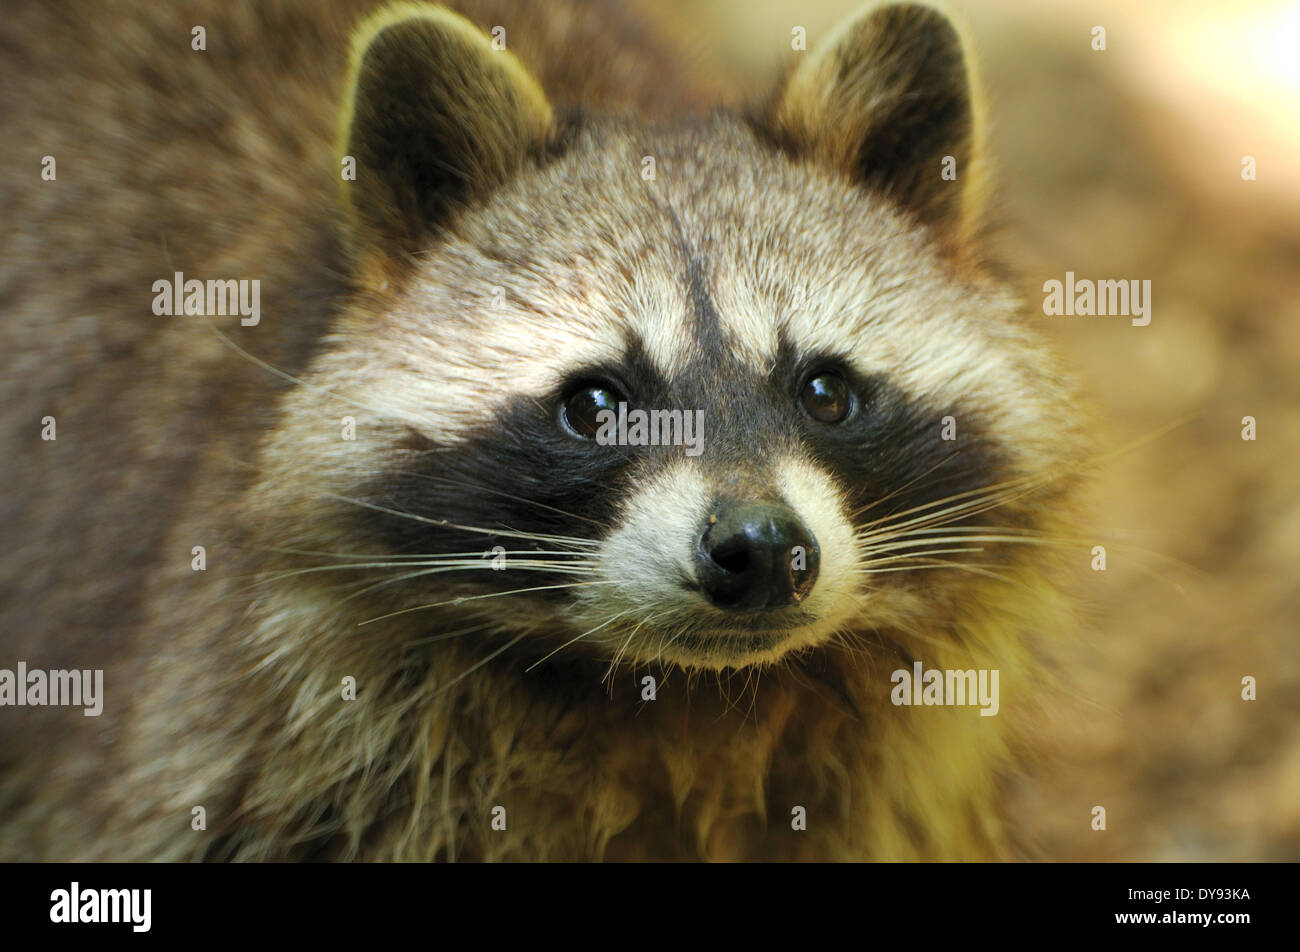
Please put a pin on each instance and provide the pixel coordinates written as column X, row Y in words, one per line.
column 756, row 556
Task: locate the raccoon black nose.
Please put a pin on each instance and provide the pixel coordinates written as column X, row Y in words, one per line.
column 757, row 556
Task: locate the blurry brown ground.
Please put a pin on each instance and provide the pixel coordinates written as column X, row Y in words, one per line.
column 1127, row 164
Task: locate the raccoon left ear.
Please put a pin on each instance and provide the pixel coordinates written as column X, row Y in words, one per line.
column 886, row 100
column 434, row 119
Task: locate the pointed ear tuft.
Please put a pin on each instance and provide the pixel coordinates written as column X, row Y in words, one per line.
column 885, row 100
column 434, row 119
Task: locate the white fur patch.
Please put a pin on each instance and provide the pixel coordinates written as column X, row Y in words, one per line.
column 651, row 554
column 651, row 559
column 814, row 496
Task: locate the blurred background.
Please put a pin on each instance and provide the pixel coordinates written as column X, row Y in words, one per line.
column 1127, row 163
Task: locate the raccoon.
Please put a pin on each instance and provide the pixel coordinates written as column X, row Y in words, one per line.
column 398, row 573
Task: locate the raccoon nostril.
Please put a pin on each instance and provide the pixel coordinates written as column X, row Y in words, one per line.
column 757, row 556
column 732, row 556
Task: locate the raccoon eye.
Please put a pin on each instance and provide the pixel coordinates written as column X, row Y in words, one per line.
column 826, row 398
column 581, row 406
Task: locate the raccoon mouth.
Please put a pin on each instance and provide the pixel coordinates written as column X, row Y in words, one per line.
column 739, row 642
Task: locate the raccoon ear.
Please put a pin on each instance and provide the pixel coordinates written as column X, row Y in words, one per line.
column 434, row 118
column 885, row 100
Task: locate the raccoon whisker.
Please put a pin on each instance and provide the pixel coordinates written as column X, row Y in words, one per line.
column 448, row 635
column 619, row 653
column 846, row 639
column 447, row 524
column 659, row 653
column 940, row 522
column 750, row 673
column 1008, row 489
column 622, row 648
column 663, row 633
column 434, row 568
column 474, row 667
column 722, row 692
column 1034, row 536
column 682, row 631
column 984, row 570
column 1013, row 486
column 945, row 520
column 802, row 677
column 589, row 631
column 1002, row 492
column 541, row 568
column 477, row 553
column 904, row 542
column 872, row 567
column 942, row 645
column 907, row 485
column 916, row 555
column 939, row 518
column 471, row 598
column 990, row 537
column 866, row 642
column 406, row 576
column 283, row 375
column 727, row 703
column 982, row 501
column 928, row 563
column 1004, row 540
column 264, row 579
column 873, row 553
column 501, row 492
column 359, row 587
column 457, row 563
column 999, row 530
column 754, row 674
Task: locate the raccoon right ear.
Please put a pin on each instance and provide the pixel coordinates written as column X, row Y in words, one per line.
column 888, row 100
column 435, row 117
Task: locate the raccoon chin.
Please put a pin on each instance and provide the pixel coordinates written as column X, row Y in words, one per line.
column 722, row 649
column 716, row 648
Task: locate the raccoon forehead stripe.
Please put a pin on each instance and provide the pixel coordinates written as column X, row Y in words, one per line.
column 706, row 325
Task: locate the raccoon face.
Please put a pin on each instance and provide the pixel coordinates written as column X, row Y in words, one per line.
column 708, row 393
